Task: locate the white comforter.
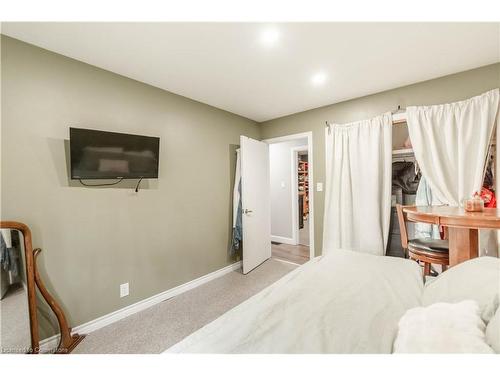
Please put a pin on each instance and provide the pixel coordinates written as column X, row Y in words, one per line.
column 344, row 302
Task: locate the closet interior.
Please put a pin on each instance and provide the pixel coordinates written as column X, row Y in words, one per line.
column 303, row 187
column 406, row 178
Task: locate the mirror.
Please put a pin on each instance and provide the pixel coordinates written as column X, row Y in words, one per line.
column 14, row 313
column 20, row 281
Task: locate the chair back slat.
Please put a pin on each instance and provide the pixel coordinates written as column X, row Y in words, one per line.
column 402, row 226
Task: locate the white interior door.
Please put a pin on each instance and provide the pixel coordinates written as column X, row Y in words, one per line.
column 256, row 202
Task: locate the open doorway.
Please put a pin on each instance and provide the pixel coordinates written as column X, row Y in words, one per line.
column 290, row 165
column 301, row 157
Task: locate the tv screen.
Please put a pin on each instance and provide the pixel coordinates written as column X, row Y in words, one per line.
column 98, row 155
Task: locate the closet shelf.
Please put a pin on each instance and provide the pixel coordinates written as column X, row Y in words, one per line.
column 403, row 151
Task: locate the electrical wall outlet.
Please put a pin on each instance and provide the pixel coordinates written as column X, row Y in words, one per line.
column 123, row 290
column 319, row 186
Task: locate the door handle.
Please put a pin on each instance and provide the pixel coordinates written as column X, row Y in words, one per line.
column 246, row 211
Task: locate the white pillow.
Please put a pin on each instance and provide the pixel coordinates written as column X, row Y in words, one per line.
column 476, row 279
column 493, row 332
column 442, row 328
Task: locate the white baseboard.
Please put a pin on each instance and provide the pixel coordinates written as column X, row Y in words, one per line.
column 51, row 343
column 287, row 240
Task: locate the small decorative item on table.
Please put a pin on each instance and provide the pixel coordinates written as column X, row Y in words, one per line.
column 476, row 204
column 488, row 196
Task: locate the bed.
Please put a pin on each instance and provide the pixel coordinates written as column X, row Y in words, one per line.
column 344, row 302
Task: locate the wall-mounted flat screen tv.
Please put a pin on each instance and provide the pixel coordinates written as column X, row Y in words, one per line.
column 105, row 155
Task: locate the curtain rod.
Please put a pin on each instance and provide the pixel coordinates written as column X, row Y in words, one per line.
column 399, row 117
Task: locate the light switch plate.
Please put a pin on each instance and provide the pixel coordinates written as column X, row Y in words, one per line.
column 319, row 186
column 282, row 184
column 124, row 290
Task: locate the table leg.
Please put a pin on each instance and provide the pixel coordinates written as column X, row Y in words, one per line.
column 464, row 244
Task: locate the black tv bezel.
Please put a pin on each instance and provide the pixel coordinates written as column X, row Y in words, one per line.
column 150, row 176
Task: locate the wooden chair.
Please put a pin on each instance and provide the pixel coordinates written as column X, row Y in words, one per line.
column 425, row 250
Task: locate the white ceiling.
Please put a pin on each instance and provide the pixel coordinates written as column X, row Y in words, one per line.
column 227, row 66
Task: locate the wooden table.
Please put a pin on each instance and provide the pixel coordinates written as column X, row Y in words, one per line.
column 463, row 227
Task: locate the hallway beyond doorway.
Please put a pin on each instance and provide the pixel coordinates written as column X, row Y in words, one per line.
column 298, row 254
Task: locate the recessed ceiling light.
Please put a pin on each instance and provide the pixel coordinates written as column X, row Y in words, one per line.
column 269, row 37
column 318, row 79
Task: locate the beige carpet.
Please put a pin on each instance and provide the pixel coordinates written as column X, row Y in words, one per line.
column 159, row 327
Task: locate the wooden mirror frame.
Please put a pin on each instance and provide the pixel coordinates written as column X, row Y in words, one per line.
column 67, row 341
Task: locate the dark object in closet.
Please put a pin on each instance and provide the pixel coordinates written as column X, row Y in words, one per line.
column 404, row 176
column 404, row 187
column 488, row 176
column 394, row 247
column 301, row 211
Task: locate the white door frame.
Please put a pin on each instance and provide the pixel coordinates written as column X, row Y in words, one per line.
column 310, row 153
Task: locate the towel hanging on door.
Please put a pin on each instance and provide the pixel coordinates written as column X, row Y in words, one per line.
column 237, row 208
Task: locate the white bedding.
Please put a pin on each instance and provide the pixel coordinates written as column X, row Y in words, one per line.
column 317, row 308
column 442, row 328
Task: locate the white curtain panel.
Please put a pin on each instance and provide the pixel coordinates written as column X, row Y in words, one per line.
column 358, row 185
column 451, row 143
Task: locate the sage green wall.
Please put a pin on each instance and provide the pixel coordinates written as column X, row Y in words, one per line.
column 441, row 90
column 174, row 230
